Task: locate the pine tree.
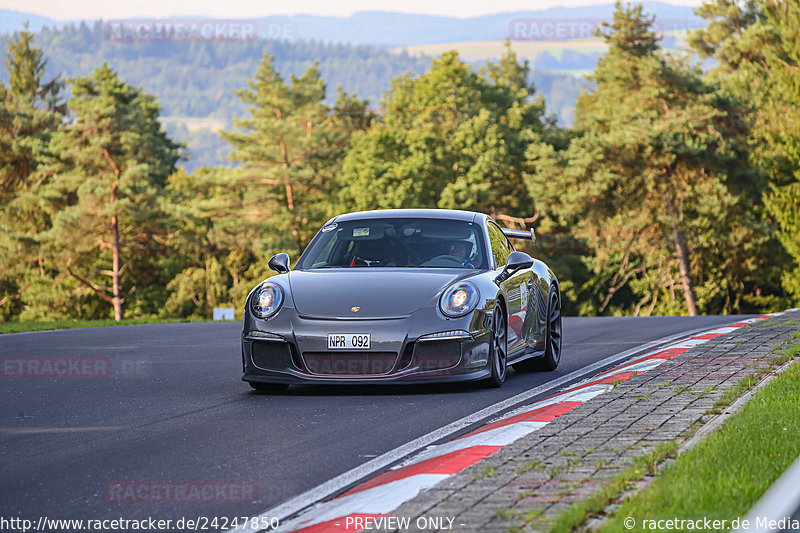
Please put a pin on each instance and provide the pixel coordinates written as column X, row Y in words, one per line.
column 114, row 160
column 214, row 240
column 290, row 147
column 757, row 45
column 777, row 128
column 648, row 179
column 30, row 111
column 730, row 36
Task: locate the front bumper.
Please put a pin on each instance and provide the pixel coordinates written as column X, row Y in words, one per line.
column 424, row 347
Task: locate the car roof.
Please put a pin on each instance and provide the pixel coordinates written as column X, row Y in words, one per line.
column 448, row 214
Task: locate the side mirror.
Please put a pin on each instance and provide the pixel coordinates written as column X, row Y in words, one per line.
column 279, row 263
column 516, row 261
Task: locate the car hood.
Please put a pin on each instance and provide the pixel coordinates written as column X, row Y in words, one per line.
column 376, row 292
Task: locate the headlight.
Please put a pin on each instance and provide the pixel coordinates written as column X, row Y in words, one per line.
column 459, row 299
column 267, row 300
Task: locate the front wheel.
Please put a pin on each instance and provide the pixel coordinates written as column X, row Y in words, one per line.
column 498, row 356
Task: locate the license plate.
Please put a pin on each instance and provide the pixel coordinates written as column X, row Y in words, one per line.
column 348, row 341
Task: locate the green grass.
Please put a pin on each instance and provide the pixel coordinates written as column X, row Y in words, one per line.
column 506, row 513
column 577, row 513
column 534, row 464
column 776, row 321
column 723, row 476
column 18, row 327
column 488, row 471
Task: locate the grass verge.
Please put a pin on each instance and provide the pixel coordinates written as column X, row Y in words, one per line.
column 19, row 327
column 744, row 385
column 722, row 477
column 577, row 513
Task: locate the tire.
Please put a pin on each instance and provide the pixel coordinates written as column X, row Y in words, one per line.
column 552, row 352
column 498, row 352
column 268, row 387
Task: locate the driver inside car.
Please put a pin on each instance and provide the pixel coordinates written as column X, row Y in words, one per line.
column 461, row 251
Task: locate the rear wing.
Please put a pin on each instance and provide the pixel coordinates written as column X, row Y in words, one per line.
column 520, row 234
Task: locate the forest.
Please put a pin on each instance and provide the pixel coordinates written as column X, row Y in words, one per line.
column 196, row 80
column 675, row 190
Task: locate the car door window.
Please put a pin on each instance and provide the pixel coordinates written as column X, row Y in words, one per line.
column 499, row 243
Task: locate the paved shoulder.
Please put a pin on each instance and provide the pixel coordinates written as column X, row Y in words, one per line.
column 570, row 457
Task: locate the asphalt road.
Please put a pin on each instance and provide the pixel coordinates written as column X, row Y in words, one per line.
column 165, row 404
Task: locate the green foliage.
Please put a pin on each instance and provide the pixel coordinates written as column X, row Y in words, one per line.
column 758, row 47
column 290, row 147
column 778, row 128
column 450, row 139
column 197, row 80
column 226, row 222
column 677, row 209
column 214, row 241
column 657, row 190
column 31, row 111
column 114, row 160
column 49, row 298
column 729, row 36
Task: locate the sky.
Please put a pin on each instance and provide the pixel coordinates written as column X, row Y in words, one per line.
column 92, row 10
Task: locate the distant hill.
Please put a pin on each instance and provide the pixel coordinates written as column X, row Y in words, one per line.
column 547, row 37
column 382, row 28
column 11, row 20
column 198, row 79
column 194, row 82
column 400, row 29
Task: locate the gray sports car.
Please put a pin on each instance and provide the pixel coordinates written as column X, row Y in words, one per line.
column 409, row 296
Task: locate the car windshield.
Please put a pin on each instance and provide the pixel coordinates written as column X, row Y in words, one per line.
column 391, row 243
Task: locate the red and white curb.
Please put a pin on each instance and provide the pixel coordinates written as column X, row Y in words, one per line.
column 366, row 504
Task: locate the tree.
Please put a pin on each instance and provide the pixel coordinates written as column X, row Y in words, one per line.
column 114, row 159
column 757, row 45
column 290, row 147
column 214, row 240
column 730, row 36
column 648, row 180
column 450, row 138
column 30, row 111
column 777, row 129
